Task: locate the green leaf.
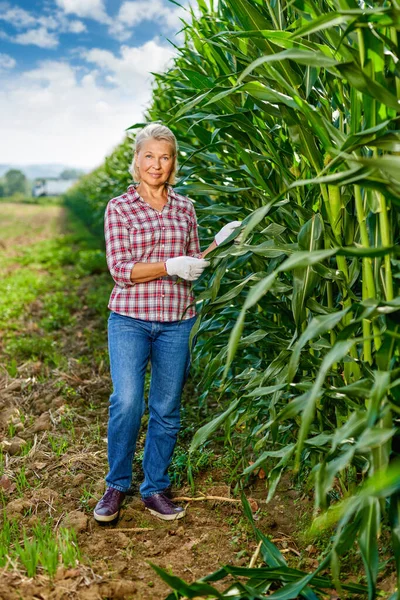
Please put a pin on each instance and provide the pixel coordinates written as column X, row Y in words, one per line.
column 306, row 259
column 362, row 82
column 337, row 353
column 325, row 21
column 248, row 16
column 234, row 339
column 368, row 542
column 258, row 291
column 305, row 279
column 318, row 326
column 204, row 432
column 192, row 590
column 304, row 57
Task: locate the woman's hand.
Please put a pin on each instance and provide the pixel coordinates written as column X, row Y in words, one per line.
column 187, row 267
column 226, row 231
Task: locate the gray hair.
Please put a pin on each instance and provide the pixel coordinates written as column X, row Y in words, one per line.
column 155, row 131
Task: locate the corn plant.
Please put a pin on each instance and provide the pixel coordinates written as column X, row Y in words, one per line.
column 287, row 116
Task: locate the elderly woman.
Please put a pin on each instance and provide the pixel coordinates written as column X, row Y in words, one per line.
column 153, row 255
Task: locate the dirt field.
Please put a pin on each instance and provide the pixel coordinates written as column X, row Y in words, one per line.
column 55, row 386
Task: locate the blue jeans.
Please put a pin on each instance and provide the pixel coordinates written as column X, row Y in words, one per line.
column 132, row 343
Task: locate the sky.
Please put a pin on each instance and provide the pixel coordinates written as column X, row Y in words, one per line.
column 74, row 74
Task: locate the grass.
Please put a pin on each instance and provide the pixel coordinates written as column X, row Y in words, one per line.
column 41, row 297
column 58, row 444
column 45, row 278
column 40, row 201
column 42, row 550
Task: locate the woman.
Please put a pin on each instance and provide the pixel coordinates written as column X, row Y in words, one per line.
column 153, row 254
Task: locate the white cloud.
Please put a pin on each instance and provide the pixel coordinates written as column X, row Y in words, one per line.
column 133, row 66
column 91, row 9
column 74, row 118
column 76, row 27
column 18, row 17
column 7, row 61
column 42, row 30
column 132, row 14
column 37, row 37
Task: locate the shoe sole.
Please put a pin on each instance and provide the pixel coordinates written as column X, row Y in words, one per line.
column 178, row 515
column 105, row 518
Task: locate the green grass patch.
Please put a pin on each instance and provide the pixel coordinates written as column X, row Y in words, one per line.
column 41, row 550
column 43, row 283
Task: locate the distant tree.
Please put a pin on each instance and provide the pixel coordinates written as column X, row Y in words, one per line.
column 71, row 174
column 3, row 190
column 16, row 182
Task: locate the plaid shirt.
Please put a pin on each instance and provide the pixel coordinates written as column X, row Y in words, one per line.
column 136, row 232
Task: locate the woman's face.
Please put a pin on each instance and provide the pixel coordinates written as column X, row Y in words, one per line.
column 155, row 161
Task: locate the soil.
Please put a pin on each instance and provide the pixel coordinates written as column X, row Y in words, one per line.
column 47, row 406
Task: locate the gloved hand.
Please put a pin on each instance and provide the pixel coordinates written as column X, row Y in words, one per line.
column 187, row 267
column 226, row 231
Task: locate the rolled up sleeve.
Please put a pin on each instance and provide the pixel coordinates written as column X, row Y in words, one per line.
column 118, row 253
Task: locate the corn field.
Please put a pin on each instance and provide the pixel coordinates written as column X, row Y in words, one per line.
column 287, row 117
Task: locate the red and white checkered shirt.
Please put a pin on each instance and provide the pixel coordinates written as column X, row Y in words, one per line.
column 137, row 233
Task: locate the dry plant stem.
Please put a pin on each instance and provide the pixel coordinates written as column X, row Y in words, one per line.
column 255, row 556
column 220, row 498
column 129, row 529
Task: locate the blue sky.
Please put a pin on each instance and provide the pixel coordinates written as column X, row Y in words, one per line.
column 75, row 73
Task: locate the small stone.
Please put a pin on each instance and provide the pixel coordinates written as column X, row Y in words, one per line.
column 69, row 573
column 8, row 415
column 75, row 520
column 5, row 482
column 45, row 494
column 118, row 590
column 253, row 504
column 13, row 446
column 43, row 423
column 17, row 507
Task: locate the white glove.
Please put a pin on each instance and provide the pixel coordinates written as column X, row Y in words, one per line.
column 187, row 267
column 226, row 231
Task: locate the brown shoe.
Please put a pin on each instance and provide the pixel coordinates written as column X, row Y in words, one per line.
column 107, row 509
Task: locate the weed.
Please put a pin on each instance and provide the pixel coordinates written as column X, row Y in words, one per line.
column 8, row 535
column 26, row 448
column 12, row 368
column 95, row 432
column 49, row 553
column 21, row 481
column 67, row 422
column 28, row 554
column 58, row 444
column 11, row 430
column 185, row 465
column 2, row 462
column 44, row 548
column 86, row 495
column 68, row 545
column 32, row 347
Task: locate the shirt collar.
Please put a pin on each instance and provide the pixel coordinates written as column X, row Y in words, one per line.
column 134, row 194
